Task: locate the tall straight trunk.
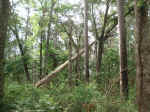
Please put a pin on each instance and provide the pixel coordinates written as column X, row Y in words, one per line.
column 77, row 67
column 4, row 6
column 41, row 55
column 70, row 62
column 142, row 56
column 86, row 60
column 48, row 39
column 77, row 62
column 123, row 51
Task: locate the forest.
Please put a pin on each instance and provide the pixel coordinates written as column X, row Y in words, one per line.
column 74, row 56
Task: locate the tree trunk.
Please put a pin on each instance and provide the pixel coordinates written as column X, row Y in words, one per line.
column 99, row 56
column 123, row 51
column 142, row 56
column 4, row 12
column 41, row 55
column 86, row 60
column 22, row 54
column 101, row 40
column 70, row 62
column 59, row 68
column 77, row 68
column 77, row 63
column 48, row 39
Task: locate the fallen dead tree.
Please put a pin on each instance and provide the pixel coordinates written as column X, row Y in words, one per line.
column 49, row 77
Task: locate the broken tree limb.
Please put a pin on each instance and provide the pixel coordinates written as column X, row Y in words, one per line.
column 49, row 77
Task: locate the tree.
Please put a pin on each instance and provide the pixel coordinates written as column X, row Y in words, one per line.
column 86, row 40
column 123, row 50
column 41, row 47
column 41, row 54
column 53, row 74
column 77, row 46
column 22, row 54
column 15, row 30
column 100, row 37
column 42, row 37
column 70, row 56
column 48, row 38
column 4, row 12
column 142, row 36
column 69, row 32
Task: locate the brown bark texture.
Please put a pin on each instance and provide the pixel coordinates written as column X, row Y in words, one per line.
column 4, row 12
column 86, row 58
column 123, row 50
column 142, row 36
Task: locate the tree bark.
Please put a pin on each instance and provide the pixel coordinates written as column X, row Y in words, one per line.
column 41, row 55
column 99, row 56
column 123, row 51
column 4, row 12
column 142, row 36
column 77, row 67
column 86, row 59
column 70, row 61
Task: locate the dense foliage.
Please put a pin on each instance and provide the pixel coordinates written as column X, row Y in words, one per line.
column 44, row 34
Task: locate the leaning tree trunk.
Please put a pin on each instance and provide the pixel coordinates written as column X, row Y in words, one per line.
column 26, row 70
column 86, row 60
column 4, row 6
column 49, row 77
column 123, row 51
column 142, row 56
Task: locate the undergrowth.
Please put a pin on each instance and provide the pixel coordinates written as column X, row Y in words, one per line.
column 27, row 98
